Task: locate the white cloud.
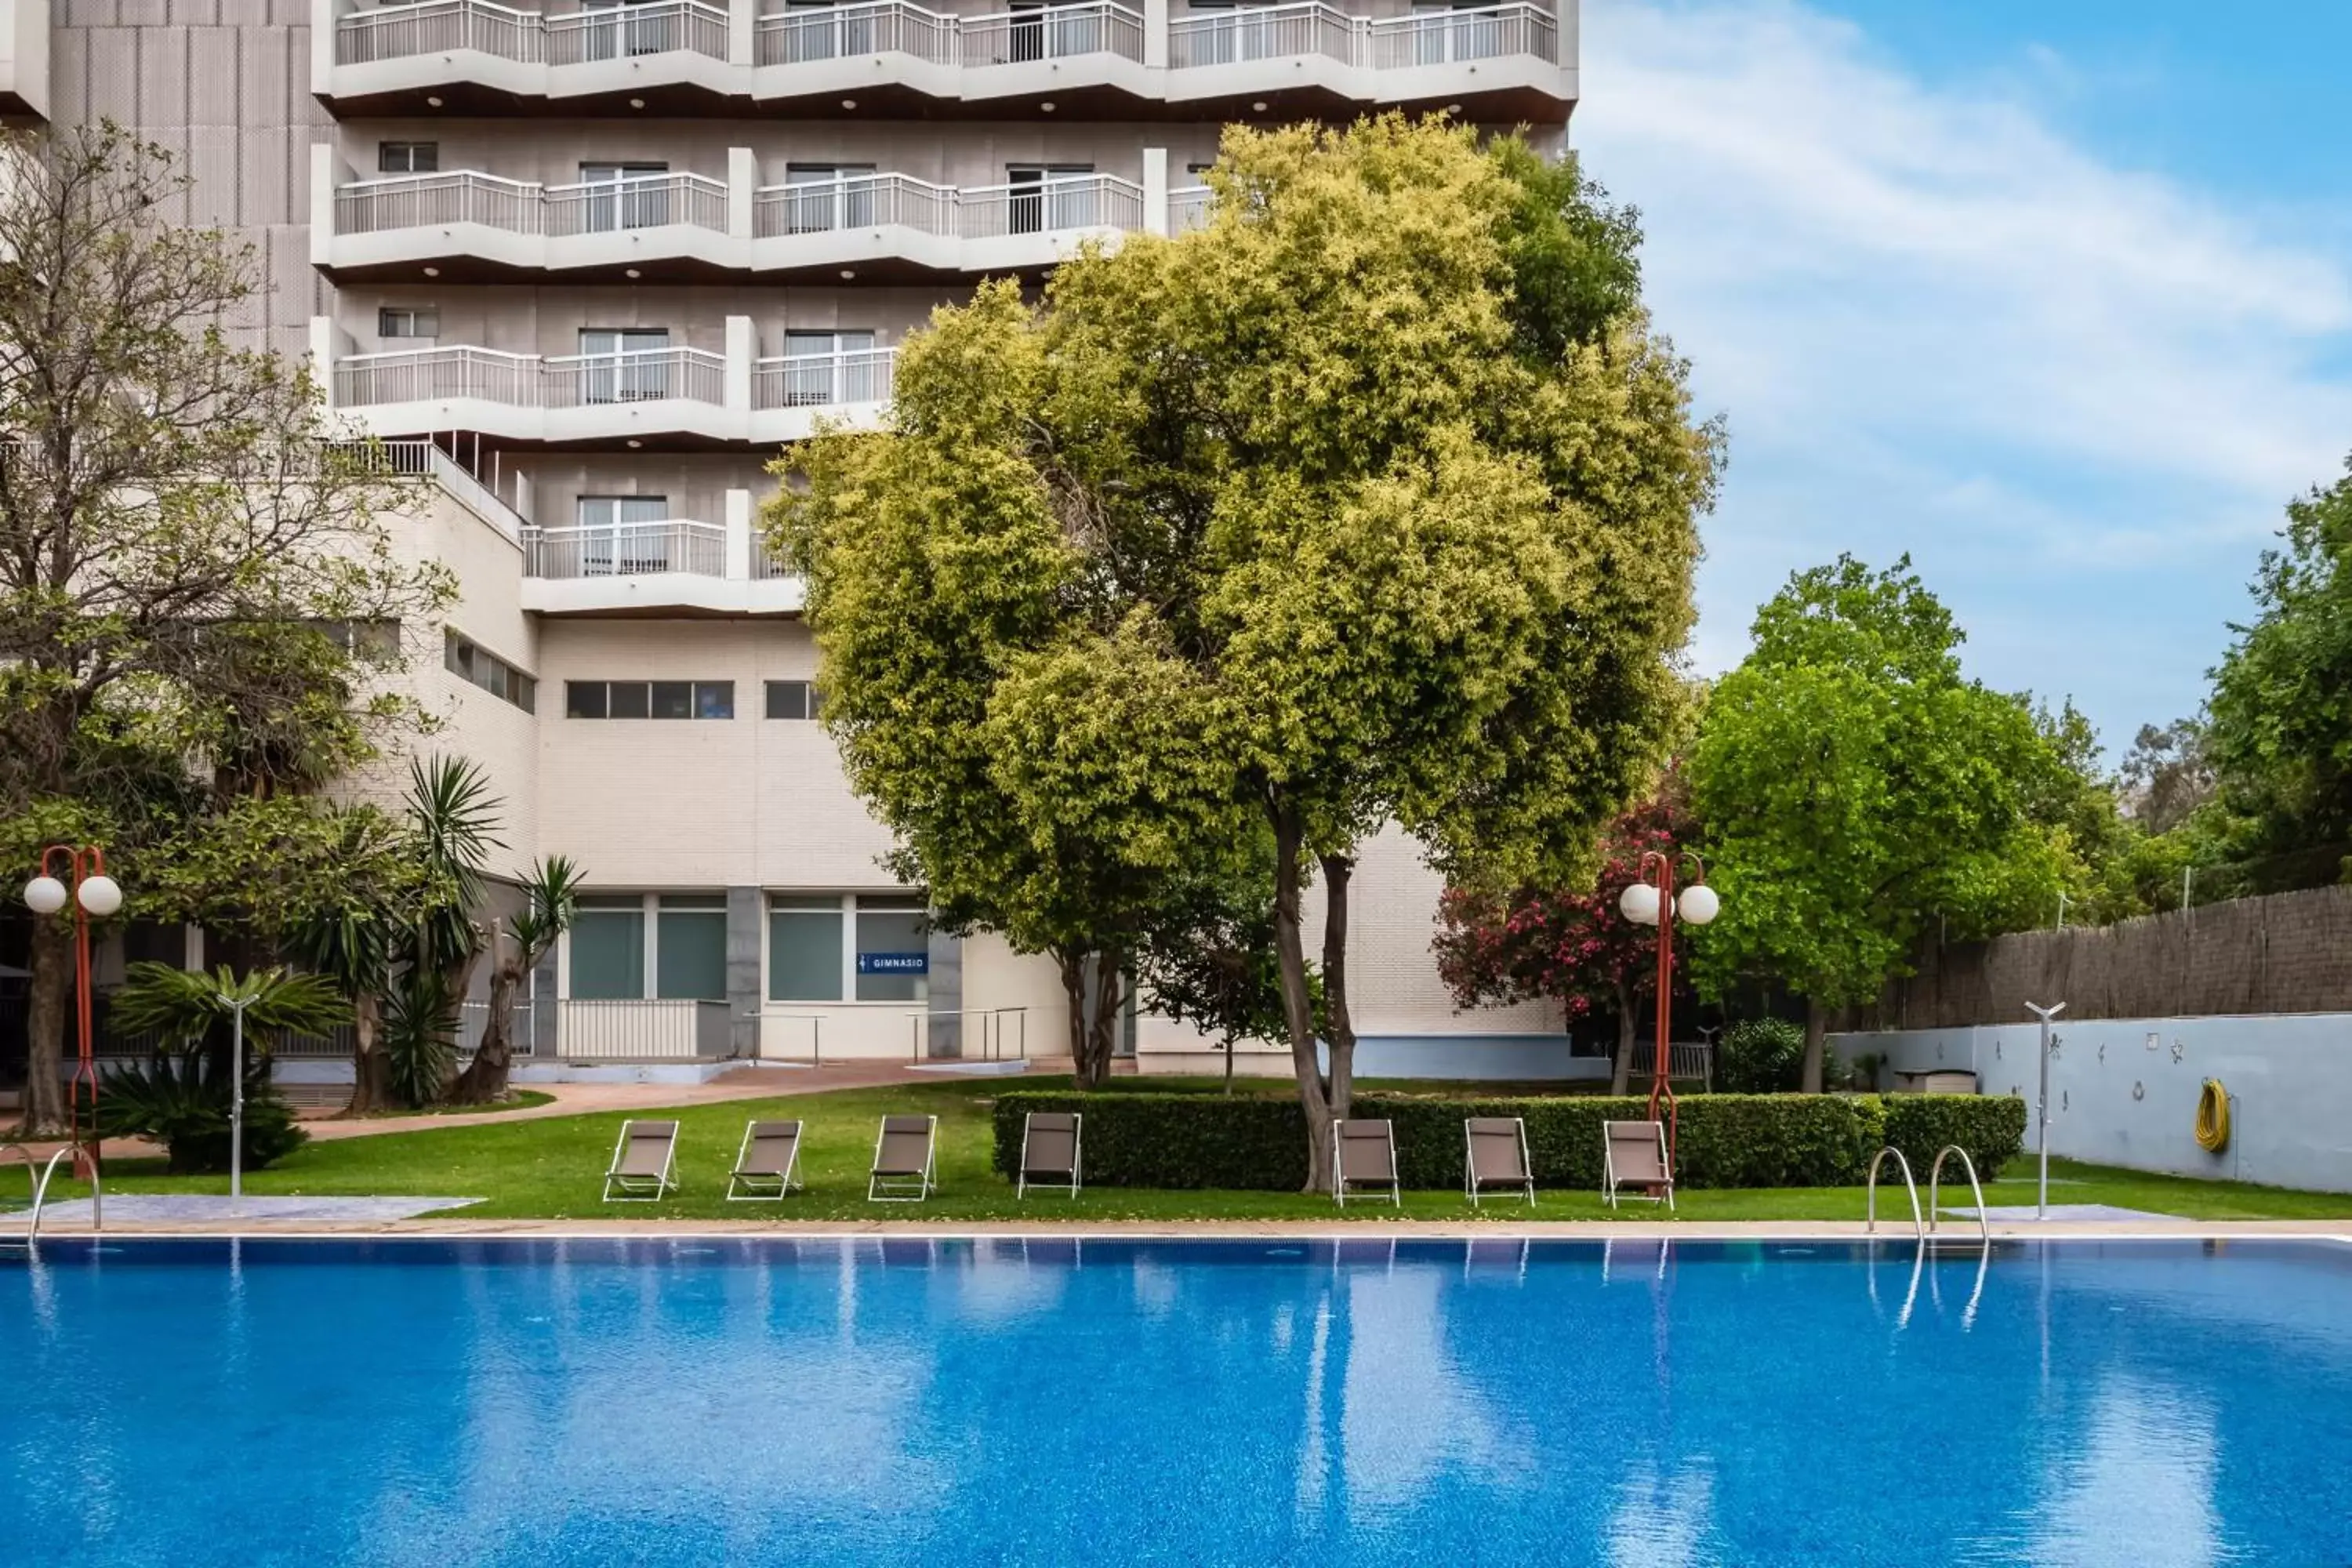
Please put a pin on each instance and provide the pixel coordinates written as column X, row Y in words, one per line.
column 1938, row 325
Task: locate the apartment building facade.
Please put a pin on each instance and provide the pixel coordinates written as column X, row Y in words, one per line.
column 586, row 270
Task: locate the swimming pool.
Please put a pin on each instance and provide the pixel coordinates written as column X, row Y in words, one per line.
column 1049, row 1401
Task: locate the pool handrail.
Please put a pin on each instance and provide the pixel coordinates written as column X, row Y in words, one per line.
column 39, row 1175
column 1919, row 1222
column 1935, row 1178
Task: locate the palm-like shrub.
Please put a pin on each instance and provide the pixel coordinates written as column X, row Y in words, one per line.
column 180, row 1097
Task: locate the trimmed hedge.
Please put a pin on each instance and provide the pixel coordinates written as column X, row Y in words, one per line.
column 1185, row 1141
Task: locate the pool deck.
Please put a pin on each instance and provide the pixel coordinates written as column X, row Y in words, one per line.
column 1955, row 1235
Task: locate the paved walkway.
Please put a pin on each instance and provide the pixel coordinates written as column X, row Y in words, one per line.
column 589, row 1099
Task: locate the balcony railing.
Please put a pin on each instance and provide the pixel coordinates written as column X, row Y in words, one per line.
column 893, row 27
column 1387, row 43
column 1188, row 208
column 879, row 201
column 516, row 207
column 531, row 38
column 530, row 381
column 845, row 32
column 808, row 381
column 626, row 549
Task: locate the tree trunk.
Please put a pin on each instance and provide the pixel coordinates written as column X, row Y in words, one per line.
column 45, row 1028
column 1073, row 967
column 1817, row 1023
column 1338, row 1028
column 1297, row 1005
column 1621, row 1071
column 371, row 1074
column 1103, row 1019
column 484, row 1081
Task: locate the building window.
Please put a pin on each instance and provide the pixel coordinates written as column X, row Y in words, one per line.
column 408, row 322
column 866, row 947
column 678, row 941
column 649, row 699
column 794, row 700
column 407, row 157
column 370, row 641
column 608, row 949
column 805, row 948
column 463, row 656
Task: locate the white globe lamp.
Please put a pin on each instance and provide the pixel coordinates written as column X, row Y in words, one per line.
column 1638, row 903
column 1699, row 904
column 101, row 895
column 45, row 895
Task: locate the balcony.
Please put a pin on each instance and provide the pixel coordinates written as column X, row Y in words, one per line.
column 471, row 225
column 1489, row 59
column 1093, row 60
column 678, row 397
column 668, row 53
column 25, row 58
column 673, row 567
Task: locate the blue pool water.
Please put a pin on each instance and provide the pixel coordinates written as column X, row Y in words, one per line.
column 706, row 1402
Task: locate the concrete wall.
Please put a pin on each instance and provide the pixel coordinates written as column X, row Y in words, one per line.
column 2123, row 1091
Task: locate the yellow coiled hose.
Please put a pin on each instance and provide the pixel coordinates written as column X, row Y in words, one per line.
column 2213, row 1117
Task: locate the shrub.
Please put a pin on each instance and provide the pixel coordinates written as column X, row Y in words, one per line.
column 1761, row 1055
column 1990, row 1127
column 1180, row 1141
column 176, row 1100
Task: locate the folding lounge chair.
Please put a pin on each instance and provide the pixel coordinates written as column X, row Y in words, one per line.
column 1495, row 1157
column 1049, row 1151
column 903, row 1154
column 1363, row 1156
column 768, row 1163
column 644, row 1162
column 1636, row 1157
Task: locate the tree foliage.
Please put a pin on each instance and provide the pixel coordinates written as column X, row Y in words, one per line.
column 1371, row 500
column 1570, row 943
column 196, row 588
column 1856, row 790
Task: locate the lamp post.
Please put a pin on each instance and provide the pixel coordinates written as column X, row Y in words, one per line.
column 1651, row 902
column 94, row 893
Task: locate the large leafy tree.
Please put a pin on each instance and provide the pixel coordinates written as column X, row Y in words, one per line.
column 187, row 570
column 1390, row 515
column 1857, row 788
column 2279, row 736
column 1569, row 944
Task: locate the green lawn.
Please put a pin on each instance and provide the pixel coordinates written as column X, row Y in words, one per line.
column 551, row 1168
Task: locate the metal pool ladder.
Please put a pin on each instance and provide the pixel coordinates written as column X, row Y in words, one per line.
column 1918, row 1223
column 40, row 1176
column 1935, row 1178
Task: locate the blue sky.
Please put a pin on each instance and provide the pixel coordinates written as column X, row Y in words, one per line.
column 2055, row 295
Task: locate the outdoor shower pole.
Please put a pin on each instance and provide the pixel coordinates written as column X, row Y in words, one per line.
column 237, row 1101
column 2042, row 1207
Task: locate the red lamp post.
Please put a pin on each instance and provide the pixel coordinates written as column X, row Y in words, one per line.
column 1651, row 902
column 93, row 893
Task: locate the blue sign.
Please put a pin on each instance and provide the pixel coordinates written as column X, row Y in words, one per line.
column 894, row 964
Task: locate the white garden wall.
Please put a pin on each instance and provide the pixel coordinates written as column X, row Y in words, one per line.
column 2123, row 1091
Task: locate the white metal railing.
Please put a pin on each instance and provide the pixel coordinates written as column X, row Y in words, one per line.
column 517, row 206
column 843, row 32
column 1691, row 1061
column 632, row 31
column 530, row 381
column 1052, row 33
column 532, row 38
column 626, row 549
column 1387, row 42
column 1050, row 205
column 806, row 381
column 860, row 201
column 769, row 562
column 1188, row 208
column 631, row 1030
column 640, row 201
